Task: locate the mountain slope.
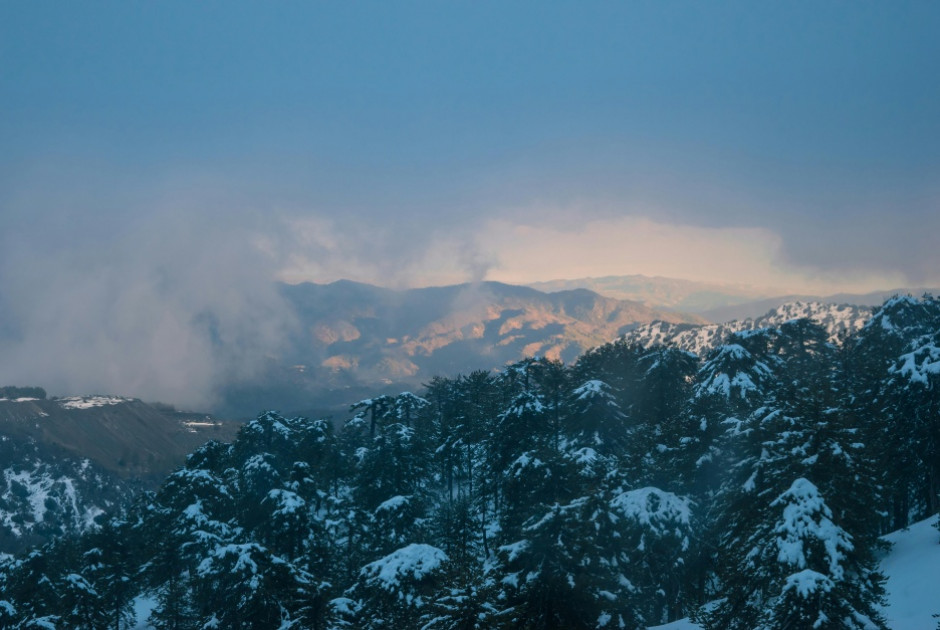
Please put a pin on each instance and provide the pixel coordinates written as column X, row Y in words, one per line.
column 126, row 436
column 45, row 495
column 358, row 337
column 68, row 464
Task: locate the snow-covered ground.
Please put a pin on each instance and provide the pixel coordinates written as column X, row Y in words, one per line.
column 682, row 624
column 913, row 571
column 143, row 606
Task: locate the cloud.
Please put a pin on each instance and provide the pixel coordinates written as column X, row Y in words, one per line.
column 530, row 243
column 322, row 249
column 161, row 287
column 639, row 245
column 170, row 302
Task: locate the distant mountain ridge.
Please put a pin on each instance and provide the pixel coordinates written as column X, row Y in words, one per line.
column 661, row 292
column 355, row 339
column 716, row 302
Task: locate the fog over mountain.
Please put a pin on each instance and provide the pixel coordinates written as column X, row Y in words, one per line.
column 167, row 307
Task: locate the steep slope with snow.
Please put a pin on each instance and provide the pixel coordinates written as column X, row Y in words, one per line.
column 44, row 495
column 67, row 463
column 838, row 319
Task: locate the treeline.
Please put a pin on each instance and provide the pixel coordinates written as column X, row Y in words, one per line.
column 746, row 489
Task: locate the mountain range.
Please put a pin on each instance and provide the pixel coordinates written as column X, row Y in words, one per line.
column 355, row 338
column 660, row 292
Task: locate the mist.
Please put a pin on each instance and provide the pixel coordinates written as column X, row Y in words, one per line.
column 165, row 300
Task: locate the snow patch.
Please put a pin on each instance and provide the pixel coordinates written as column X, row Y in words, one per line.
column 87, row 402
column 653, row 508
column 413, row 562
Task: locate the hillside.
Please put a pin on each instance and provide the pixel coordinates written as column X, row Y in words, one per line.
column 125, row 436
column 68, row 464
column 45, row 494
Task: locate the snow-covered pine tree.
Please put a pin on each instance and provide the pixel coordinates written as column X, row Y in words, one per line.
column 912, row 393
column 657, row 412
column 884, row 404
column 652, row 546
column 798, row 440
column 397, row 589
column 595, row 420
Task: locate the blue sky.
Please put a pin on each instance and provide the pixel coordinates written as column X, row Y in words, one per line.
column 788, row 144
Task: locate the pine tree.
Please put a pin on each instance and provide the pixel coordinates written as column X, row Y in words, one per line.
column 885, row 407
column 110, row 569
column 657, row 412
column 652, row 544
column 595, row 420
column 395, row 590
column 799, row 436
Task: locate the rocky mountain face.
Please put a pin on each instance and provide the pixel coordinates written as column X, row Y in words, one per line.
column 839, row 320
column 356, row 338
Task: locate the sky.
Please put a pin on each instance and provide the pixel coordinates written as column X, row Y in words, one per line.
column 168, row 160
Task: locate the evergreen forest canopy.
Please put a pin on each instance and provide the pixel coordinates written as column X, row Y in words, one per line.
column 746, row 489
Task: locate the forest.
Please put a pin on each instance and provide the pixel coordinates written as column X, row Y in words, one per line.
column 746, row 489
